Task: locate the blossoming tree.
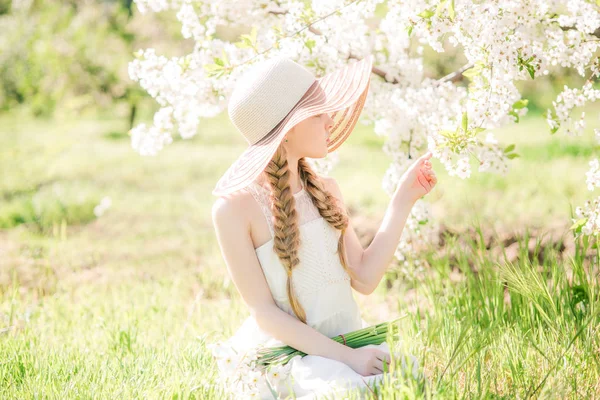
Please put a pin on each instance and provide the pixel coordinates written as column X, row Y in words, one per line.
column 503, row 41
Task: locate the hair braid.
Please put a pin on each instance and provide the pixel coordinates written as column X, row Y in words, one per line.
column 328, row 207
column 286, row 240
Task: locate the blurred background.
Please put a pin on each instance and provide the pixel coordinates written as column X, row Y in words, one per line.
column 121, row 249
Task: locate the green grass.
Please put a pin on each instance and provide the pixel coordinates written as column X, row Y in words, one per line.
column 122, row 305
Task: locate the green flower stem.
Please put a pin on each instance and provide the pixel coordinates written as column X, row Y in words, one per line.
column 375, row 334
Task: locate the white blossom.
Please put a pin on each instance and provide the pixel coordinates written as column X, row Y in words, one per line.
column 590, row 213
column 104, row 205
column 239, row 373
column 505, row 42
column 593, row 175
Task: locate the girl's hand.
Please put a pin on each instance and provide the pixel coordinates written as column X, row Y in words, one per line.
column 419, row 179
column 369, row 361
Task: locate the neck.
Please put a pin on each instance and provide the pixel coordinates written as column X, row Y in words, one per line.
column 295, row 183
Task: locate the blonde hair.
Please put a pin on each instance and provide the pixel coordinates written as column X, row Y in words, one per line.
column 283, row 207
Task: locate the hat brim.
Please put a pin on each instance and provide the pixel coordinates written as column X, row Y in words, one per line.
column 341, row 92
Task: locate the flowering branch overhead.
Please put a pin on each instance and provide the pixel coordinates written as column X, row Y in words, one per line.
column 503, row 42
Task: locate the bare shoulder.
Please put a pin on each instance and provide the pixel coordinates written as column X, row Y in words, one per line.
column 229, row 209
column 231, row 228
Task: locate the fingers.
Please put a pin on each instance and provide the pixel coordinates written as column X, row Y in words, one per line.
column 432, row 180
column 424, row 182
column 429, row 174
column 384, row 360
column 380, row 367
column 383, row 356
column 422, row 159
column 427, row 168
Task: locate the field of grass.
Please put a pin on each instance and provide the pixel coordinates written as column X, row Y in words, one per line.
column 122, row 305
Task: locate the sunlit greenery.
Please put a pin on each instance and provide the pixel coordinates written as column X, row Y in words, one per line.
column 112, row 283
column 123, row 304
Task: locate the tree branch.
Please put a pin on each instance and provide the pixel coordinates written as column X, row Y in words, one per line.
column 455, row 76
column 569, row 28
column 452, row 77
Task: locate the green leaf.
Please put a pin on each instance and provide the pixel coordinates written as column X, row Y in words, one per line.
column 242, row 44
column 474, row 70
column 310, row 43
column 471, row 73
column 385, row 51
column 214, row 70
column 410, row 28
column 521, row 103
column 448, row 134
column 426, row 14
column 224, row 54
column 249, row 40
column 550, row 116
column 514, row 114
column 478, row 130
column 439, row 8
column 278, row 30
column 212, row 67
column 531, row 70
column 184, row 62
column 451, row 12
column 578, row 224
column 512, row 155
column 486, row 81
column 465, row 121
column 509, row 148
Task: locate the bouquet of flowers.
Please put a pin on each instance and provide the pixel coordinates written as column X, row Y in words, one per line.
column 250, row 372
column 268, row 357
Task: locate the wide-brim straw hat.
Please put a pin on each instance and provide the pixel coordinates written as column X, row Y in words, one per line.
column 275, row 95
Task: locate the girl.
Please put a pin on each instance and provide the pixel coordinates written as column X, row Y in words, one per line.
column 286, row 238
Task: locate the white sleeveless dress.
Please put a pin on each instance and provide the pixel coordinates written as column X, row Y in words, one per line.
column 323, row 288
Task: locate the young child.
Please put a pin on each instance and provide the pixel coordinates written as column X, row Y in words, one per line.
column 286, row 237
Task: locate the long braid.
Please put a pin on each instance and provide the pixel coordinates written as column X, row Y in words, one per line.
column 328, row 207
column 286, row 239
